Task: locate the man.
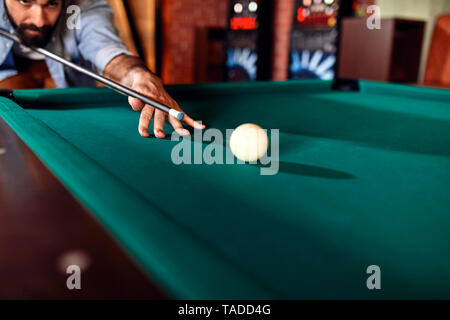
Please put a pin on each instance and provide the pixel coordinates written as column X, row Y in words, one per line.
column 93, row 43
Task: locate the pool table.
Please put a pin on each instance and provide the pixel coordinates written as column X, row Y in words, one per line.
column 362, row 179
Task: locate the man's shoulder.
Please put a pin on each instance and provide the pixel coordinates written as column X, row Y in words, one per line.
column 87, row 4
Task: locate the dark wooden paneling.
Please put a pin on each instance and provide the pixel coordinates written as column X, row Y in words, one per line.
column 391, row 53
column 408, row 42
column 209, row 55
column 365, row 54
column 43, row 229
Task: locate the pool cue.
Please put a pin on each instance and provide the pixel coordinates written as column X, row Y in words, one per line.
column 110, row 83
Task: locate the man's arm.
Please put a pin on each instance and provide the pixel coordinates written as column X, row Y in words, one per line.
column 100, row 44
column 122, row 67
column 131, row 72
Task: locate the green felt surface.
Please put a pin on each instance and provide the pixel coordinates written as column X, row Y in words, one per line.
column 364, row 179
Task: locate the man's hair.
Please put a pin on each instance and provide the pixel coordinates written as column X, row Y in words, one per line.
column 7, row 17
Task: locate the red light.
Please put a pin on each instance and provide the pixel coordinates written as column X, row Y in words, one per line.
column 243, row 23
column 301, row 14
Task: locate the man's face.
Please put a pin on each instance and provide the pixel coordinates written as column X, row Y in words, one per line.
column 34, row 20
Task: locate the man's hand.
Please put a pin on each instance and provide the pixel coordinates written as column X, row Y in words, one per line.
column 130, row 72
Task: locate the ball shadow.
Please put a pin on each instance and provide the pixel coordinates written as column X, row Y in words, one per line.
column 310, row 171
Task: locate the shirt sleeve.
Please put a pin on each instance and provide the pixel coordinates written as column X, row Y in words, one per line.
column 98, row 39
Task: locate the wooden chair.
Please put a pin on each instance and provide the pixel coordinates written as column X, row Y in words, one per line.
column 123, row 24
column 438, row 65
column 139, row 34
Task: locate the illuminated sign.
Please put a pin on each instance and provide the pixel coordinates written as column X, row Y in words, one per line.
column 243, row 23
column 317, row 13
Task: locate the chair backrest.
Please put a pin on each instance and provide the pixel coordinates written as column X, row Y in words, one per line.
column 123, row 24
column 438, row 64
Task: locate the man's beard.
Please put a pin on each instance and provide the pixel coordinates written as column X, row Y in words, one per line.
column 40, row 40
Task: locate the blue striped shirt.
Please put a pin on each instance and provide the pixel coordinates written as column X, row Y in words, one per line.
column 93, row 45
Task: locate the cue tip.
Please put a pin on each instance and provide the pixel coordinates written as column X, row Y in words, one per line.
column 176, row 114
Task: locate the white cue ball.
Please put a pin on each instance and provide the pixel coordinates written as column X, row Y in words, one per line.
column 249, row 142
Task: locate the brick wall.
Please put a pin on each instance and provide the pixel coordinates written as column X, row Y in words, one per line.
column 179, row 18
column 283, row 18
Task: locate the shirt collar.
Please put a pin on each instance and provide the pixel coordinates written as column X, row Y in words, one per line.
column 4, row 20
